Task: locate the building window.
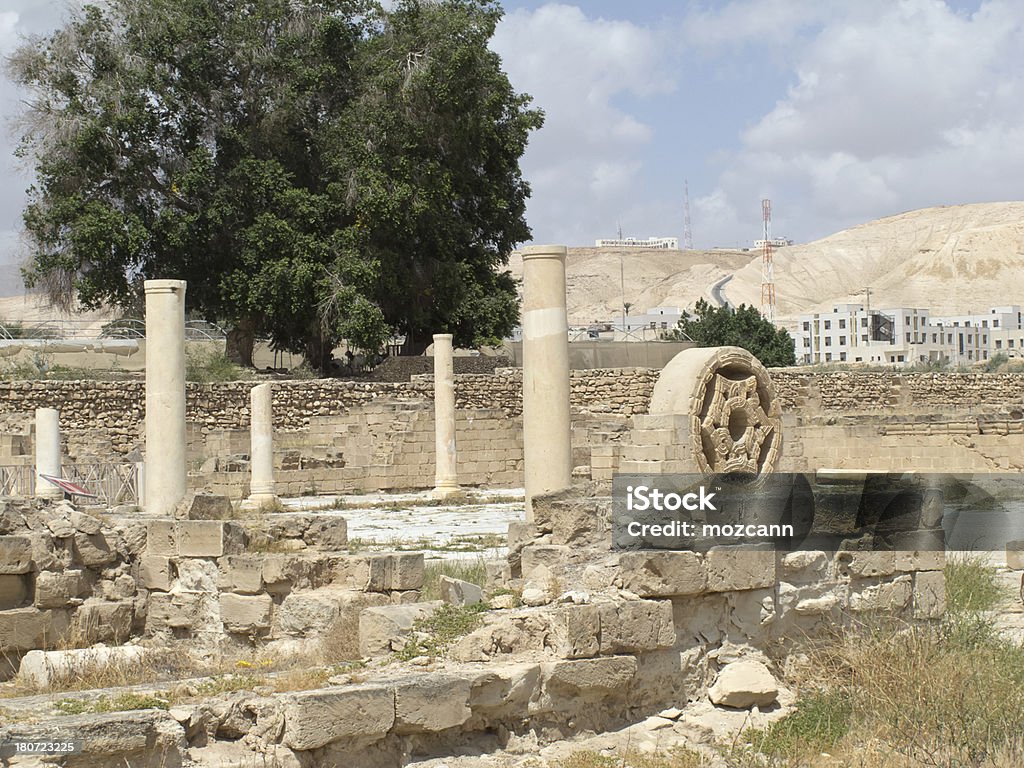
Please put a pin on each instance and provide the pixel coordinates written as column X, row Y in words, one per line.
column 828, row 325
column 842, row 341
column 901, row 358
column 1010, row 344
column 949, row 339
column 908, row 338
column 864, row 337
column 858, row 359
column 842, row 357
column 828, row 357
column 999, row 343
column 807, row 326
column 863, row 322
column 842, row 323
column 828, row 341
column 807, row 341
column 935, row 339
column 995, row 323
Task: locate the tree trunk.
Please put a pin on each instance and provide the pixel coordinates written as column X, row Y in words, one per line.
column 240, row 341
column 318, row 354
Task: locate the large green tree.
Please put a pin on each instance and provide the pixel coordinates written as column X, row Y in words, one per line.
column 742, row 327
column 316, row 169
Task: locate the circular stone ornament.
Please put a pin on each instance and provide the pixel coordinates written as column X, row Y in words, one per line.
column 734, row 415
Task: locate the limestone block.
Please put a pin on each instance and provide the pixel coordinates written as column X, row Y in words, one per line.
column 168, row 610
column 929, row 595
column 361, row 714
column 433, row 702
column 663, row 574
column 313, row 613
column 93, row 550
column 156, row 572
column 550, row 556
column 55, row 589
column 102, row 621
column 577, row 631
column 15, row 555
column 395, row 571
column 209, row 538
column 889, row 596
column 1015, row 555
column 161, row 538
column 330, row 533
column 41, row 668
column 386, row 628
column 14, row 590
column 636, row 625
column 505, row 690
column 866, row 564
column 26, row 629
column 200, row 505
column 744, row 684
column 84, row 523
column 810, row 564
column 241, row 573
column 737, row 568
column 195, row 575
column 282, row 573
column 591, row 677
column 459, row 592
column 920, row 560
column 245, row 613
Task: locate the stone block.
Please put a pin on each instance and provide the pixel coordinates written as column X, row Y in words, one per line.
column 241, row 573
column 161, row 538
column 245, row 613
column 209, row 538
column 284, row 572
column 156, row 572
column 459, row 592
column 101, row 621
column 313, row 613
column 890, row 596
column 550, row 556
column 805, row 565
column 577, row 631
column 929, row 595
column 84, row 523
column 394, row 571
column 663, row 574
column 591, row 678
column 43, row 668
column 1015, row 555
column 636, row 625
column 329, row 533
column 866, row 564
column 93, row 550
column 738, row 568
column 199, row 505
column 14, row 590
column 386, row 628
column 505, row 690
column 358, row 714
column 168, row 610
column 55, row 589
column 744, row 684
column 429, row 703
column 26, row 629
column 15, row 555
column 920, row 560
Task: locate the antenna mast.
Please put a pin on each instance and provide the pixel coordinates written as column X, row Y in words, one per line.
column 687, row 232
column 767, row 266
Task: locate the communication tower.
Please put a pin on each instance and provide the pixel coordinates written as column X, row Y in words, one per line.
column 687, row 233
column 767, row 266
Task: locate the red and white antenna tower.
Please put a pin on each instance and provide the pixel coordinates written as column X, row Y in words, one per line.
column 767, row 266
column 687, row 233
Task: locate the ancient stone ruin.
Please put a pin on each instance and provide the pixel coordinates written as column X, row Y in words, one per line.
column 197, row 631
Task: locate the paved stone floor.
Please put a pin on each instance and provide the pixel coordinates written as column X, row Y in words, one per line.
column 468, row 529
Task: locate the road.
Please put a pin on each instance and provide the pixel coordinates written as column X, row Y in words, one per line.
column 715, row 291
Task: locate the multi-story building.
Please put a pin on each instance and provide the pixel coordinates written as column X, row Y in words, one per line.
column 851, row 333
column 660, row 243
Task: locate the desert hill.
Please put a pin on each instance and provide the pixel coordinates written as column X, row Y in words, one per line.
column 949, row 259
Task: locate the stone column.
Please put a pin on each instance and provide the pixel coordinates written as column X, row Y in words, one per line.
column 47, row 452
column 547, row 451
column 446, row 480
column 261, row 458
column 166, row 479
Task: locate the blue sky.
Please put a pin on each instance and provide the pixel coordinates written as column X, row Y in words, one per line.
column 840, row 111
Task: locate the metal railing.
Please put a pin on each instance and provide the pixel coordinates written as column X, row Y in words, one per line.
column 195, row 330
column 113, row 484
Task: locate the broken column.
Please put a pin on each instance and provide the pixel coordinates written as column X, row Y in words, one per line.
column 47, row 452
column 261, row 458
column 166, row 480
column 547, row 450
column 446, row 481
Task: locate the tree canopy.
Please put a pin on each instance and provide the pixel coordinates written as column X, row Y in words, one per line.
column 315, row 169
column 743, row 327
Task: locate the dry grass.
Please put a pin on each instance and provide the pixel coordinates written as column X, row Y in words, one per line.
column 474, row 571
column 679, row 757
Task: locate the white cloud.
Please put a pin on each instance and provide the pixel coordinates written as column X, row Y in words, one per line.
column 583, row 165
column 915, row 105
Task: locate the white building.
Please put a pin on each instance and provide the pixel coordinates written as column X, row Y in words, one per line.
column 906, row 336
column 777, row 242
column 661, row 243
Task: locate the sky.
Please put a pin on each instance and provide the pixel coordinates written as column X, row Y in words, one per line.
column 839, row 111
